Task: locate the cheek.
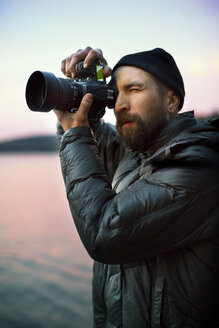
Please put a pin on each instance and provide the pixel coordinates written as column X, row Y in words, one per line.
column 145, row 105
column 139, row 103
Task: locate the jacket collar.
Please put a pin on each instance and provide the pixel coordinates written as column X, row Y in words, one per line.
column 175, row 127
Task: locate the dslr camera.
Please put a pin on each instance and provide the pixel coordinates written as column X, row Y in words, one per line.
column 44, row 91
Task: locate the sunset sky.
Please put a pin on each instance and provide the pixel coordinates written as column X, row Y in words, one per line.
column 37, row 35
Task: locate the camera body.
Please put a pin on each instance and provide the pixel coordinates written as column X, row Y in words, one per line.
column 44, row 91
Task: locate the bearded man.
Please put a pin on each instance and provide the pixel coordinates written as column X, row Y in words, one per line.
column 144, row 197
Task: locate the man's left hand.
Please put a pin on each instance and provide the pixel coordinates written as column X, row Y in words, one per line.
column 80, row 118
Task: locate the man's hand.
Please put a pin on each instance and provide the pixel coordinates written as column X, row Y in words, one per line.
column 80, row 118
column 88, row 55
column 69, row 120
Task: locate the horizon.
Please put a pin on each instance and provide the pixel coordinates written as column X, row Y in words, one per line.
column 35, row 134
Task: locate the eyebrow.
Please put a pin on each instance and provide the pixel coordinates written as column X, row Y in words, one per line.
column 133, row 84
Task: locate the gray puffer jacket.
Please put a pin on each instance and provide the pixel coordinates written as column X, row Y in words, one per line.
column 154, row 235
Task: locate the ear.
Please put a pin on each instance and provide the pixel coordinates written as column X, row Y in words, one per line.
column 173, row 102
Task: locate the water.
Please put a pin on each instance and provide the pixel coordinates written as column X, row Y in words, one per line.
column 45, row 273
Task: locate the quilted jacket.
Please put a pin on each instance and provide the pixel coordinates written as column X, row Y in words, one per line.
column 150, row 222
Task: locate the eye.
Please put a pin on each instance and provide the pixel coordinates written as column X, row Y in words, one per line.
column 134, row 89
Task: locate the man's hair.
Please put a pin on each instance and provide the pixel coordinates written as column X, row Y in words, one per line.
column 161, row 87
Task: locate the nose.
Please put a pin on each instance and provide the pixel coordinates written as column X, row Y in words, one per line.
column 121, row 103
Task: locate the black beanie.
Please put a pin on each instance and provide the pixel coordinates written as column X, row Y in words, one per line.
column 161, row 65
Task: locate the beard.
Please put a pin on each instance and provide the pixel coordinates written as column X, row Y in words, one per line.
column 141, row 135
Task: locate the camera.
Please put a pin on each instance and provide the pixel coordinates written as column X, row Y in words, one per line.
column 44, row 91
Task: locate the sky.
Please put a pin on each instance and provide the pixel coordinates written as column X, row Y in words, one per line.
column 38, row 34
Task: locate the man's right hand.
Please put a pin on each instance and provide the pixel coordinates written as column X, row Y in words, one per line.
column 88, row 55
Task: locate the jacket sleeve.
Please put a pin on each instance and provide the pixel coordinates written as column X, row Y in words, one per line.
column 59, row 131
column 173, row 207
column 110, row 150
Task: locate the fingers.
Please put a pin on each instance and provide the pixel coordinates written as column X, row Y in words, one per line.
column 88, row 55
column 92, row 55
column 68, row 64
column 107, row 71
column 76, row 58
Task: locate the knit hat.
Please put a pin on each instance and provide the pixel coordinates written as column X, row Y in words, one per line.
column 161, row 65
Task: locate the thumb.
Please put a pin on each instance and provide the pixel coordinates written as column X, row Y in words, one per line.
column 81, row 116
column 86, row 104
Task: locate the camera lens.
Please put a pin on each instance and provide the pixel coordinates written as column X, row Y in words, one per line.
column 36, row 91
column 42, row 91
column 45, row 92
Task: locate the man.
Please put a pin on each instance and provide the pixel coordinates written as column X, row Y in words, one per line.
column 145, row 205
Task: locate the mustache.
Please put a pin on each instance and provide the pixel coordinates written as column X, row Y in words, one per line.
column 122, row 118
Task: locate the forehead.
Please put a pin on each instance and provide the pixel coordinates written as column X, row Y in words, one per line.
column 127, row 74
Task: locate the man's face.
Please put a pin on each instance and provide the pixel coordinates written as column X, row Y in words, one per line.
column 140, row 109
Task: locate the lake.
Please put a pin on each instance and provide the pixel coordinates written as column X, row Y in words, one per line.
column 45, row 273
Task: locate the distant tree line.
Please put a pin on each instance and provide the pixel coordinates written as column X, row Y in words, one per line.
column 208, row 117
